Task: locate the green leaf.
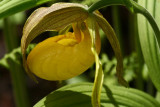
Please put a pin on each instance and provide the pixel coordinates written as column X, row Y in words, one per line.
column 9, row 7
column 148, row 42
column 158, row 96
column 13, row 56
column 79, row 95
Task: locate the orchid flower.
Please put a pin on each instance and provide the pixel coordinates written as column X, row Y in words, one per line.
column 64, row 56
column 69, row 54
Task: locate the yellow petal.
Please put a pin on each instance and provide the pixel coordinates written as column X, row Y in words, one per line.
column 52, row 18
column 63, row 56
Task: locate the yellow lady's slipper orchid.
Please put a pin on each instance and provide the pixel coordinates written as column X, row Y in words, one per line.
column 65, row 56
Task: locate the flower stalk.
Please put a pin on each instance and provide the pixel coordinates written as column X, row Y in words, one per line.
column 99, row 76
column 16, row 70
column 133, row 7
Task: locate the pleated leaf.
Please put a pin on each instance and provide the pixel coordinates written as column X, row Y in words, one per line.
column 79, row 95
column 9, row 7
column 148, row 42
column 13, row 55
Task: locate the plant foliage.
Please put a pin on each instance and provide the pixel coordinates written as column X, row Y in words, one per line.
column 78, row 95
column 148, row 42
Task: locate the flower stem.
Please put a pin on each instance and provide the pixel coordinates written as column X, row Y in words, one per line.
column 143, row 11
column 117, row 25
column 103, row 3
column 99, row 76
column 16, row 70
column 132, row 6
column 133, row 32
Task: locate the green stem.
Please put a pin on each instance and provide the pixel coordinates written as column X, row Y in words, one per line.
column 143, row 11
column 132, row 6
column 11, row 41
column 98, row 81
column 117, row 26
column 139, row 83
column 16, row 70
column 103, row 3
column 150, row 87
